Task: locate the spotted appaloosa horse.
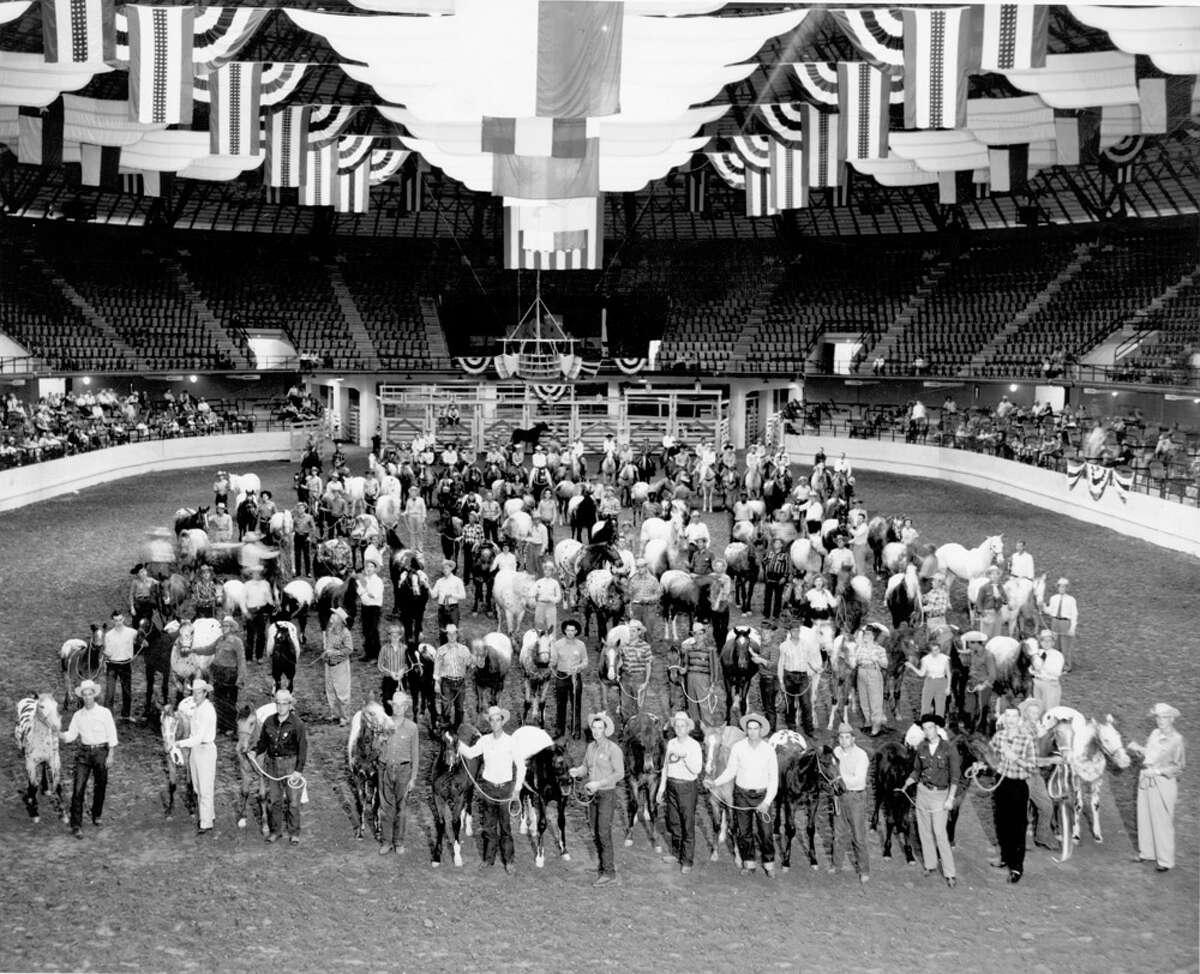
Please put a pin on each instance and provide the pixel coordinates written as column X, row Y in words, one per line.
column 36, row 734
column 369, row 730
column 546, row 780
column 253, row 785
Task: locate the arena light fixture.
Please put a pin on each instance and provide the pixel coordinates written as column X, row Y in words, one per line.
column 87, row 380
column 1013, row 388
column 193, row 378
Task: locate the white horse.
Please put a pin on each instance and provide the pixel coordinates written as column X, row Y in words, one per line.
column 566, row 561
column 512, row 593
column 656, row 529
column 804, row 557
column 36, row 735
column 706, row 478
column 243, row 483
column 954, row 559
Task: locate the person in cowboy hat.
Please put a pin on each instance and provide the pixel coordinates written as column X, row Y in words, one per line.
column 143, row 594
column 603, row 766
column 450, row 665
column 981, row 674
column 1016, row 754
column 398, row 766
column 283, row 748
column 1162, row 763
column 202, row 756
column 220, row 523
column 936, row 772
column 569, row 656
column 119, row 643
column 500, row 780
column 1062, row 613
column 754, row 771
column 870, row 662
column 683, row 763
column 93, row 727
column 850, row 821
column 336, row 652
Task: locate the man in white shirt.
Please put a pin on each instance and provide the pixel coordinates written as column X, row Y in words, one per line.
column 850, row 821
column 1047, row 666
column 800, row 666
column 370, row 598
column 754, row 770
column 447, row 592
column 1020, row 563
column 118, row 657
column 682, row 764
column 499, row 781
column 1063, row 616
column 93, row 727
column 202, row 758
column 547, row 594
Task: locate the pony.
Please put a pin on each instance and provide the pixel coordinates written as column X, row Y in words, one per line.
column 173, row 592
column 892, row 765
column 369, row 731
column 954, row 559
column 252, row 784
column 450, row 787
column 410, row 592
column 903, row 597
column 417, row 678
column 881, row 531
column 604, row 598
column 81, row 659
column 706, row 476
column 285, row 653
column 737, row 668
column 153, row 645
column 1011, row 659
column 492, row 655
column 512, row 594
column 904, row 645
column 1086, row 747
column 644, row 748
column 189, row 518
column 609, row 668
column 336, row 593
column 535, row 664
column 842, row 673
column 742, row 564
column 192, row 651
column 531, row 435
column 174, row 725
column 804, row 772
column 36, row 735
column 1022, row 614
column 718, row 741
column 627, row 476
column 680, row 595
column 567, row 552
column 482, row 573
column 547, row 780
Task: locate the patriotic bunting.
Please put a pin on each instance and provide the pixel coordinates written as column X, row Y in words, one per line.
column 385, row 163
column 1014, row 36
column 547, row 392
column 160, row 63
column 1099, row 479
column 285, row 143
column 822, row 149
column 40, row 135
column 277, row 82
column 785, row 120
column 233, row 124
column 879, row 34
column 320, row 174
column 755, row 153
column 1117, row 160
column 474, row 364
column 327, row 122
column 630, row 366
column 78, row 31
column 547, row 177
column 560, row 234
column 819, row 81
column 220, row 32
column 11, row 10
column 937, row 56
column 1008, row 168
column 561, row 138
column 863, row 110
column 729, row 167
column 353, row 151
column 788, row 180
column 353, row 195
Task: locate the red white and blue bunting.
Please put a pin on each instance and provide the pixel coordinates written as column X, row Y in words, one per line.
column 474, row 364
column 1099, row 479
column 630, row 366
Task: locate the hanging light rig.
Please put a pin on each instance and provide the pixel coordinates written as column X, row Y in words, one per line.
column 537, row 348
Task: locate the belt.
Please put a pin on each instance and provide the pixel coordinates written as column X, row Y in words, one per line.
column 93, row 747
column 288, row 754
column 119, row 662
column 1047, row 679
column 855, row 791
column 397, row 764
column 680, row 781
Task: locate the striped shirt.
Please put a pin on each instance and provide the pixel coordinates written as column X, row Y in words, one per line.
column 451, row 662
column 636, row 659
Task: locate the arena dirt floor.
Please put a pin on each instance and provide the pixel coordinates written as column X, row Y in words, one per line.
column 146, row 894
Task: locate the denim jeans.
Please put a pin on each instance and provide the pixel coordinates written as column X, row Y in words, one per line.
column 600, row 817
column 89, row 762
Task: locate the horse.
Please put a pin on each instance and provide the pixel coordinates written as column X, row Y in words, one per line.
column 173, row 592
column 718, row 741
column 285, row 654
column 153, row 645
column 881, row 531
column 531, row 435
column 903, row 597
column 890, row 770
column 174, row 725
column 253, row 784
column 742, row 564
column 706, row 475
column 512, row 594
column 1023, row 611
column 336, row 593
column 1011, row 658
column 450, row 786
column 36, row 735
column 954, row 559
column 192, row 651
column 492, row 655
column 535, row 664
column 417, row 678
column 81, row 659
column 842, row 679
column 567, row 552
column 903, row 645
column 1086, row 746
column 482, row 573
column 295, row 601
column 644, row 748
column 604, row 598
column 547, row 780
column 680, row 595
column 189, row 518
column 737, row 668
column 369, row 730
column 410, row 592
column 804, row 772
column 246, row 516
column 627, row 477
column 655, row 528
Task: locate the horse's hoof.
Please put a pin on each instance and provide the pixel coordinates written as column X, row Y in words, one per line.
column 457, row 860
column 646, row 817
column 713, row 857
column 35, row 819
column 628, row 843
column 566, row 857
column 539, row 861
column 169, row 817
column 887, row 858
column 435, row 864
column 266, row 830
column 814, row 867
column 1099, row 839
column 658, row 848
column 523, row 829
column 241, row 823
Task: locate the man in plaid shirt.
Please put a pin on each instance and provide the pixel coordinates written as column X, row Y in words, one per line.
column 1016, row 760
column 636, row 661
column 472, row 538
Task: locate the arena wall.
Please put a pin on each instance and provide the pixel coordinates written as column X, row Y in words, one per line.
column 235, row 451
column 1164, row 523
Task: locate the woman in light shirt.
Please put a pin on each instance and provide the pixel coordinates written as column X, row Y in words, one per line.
column 935, row 670
column 1158, row 784
column 415, row 515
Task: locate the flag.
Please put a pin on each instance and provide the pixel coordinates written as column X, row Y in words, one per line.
column 326, row 123
column 547, row 177
column 160, row 63
column 788, row 181
column 353, row 194
column 1117, row 160
column 286, row 133
column 320, row 175
column 233, row 124
column 40, row 134
column 579, row 58
column 1077, row 136
column 138, row 182
column 697, row 190
column 100, row 165
column 819, row 81
column 562, row 234
column 412, row 187
column 353, row 151
column 937, row 55
column 755, row 153
column 955, row 186
column 561, row 138
column 1014, row 36
column 220, row 32
column 1165, row 100
column 879, row 34
column 863, row 96
column 1008, row 167
column 822, row 151
column 78, row 31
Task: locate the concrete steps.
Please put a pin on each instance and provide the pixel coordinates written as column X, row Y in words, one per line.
column 886, row 344
column 221, row 337
column 354, row 320
column 435, row 335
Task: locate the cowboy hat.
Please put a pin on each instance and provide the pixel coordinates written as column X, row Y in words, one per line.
column 199, row 683
column 571, row 622
column 1163, row 710
column 137, row 568
column 697, row 627
column 878, row 628
column 1032, row 703
column 932, row 718
column 974, row 636
column 340, row 613
column 447, row 563
column 609, row 727
column 844, row 728
column 684, row 716
column 87, row 685
column 451, row 627
column 503, row 714
column 754, row 718
column 284, row 696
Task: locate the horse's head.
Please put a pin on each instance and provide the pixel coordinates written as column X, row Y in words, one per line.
column 610, row 662
column 995, row 547
column 1111, row 742
column 247, row 727
column 478, row 653
column 46, row 711
column 560, row 763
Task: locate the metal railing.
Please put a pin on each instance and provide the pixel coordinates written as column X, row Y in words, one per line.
column 23, row 365
column 1173, row 481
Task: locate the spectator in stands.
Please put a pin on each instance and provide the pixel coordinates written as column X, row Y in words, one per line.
column 949, row 407
column 920, row 365
column 879, row 364
column 1003, row 408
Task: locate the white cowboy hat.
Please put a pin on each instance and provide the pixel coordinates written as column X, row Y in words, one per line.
column 498, row 711
column 284, row 696
column 974, row 636
column 1163, row 710
column 199, row 683
column 340, row 613
column 754, row 718
column 684, row 716
column 609, row 727
column 87, row 685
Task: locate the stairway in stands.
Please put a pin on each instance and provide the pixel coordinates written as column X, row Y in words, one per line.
column 95, row 319
column 886, row 343
column 756, row 317
column 354, row 319
column 239, row 355
column 1084, row 254
column 435, row 335
column 1142, row 328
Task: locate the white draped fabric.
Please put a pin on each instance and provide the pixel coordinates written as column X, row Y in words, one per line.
column 185, row 153
column 1169, row 35
column 26, row 79
column 1081, row 80
column 103, row 122
column 941, row 150
column 10, row 10
column 1010, row 121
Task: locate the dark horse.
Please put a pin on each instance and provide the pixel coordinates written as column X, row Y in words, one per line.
column 531, row 435
column 154, row 646
column 450, row 791
column 186, row 519
column 891, row 768
column 491, row 666
column 546, row 781
column 418, row 678
column 410, row 592
column 369, row 730
column 737, row 669
column 804, row 772
column 336, row 593
column 644, row 748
